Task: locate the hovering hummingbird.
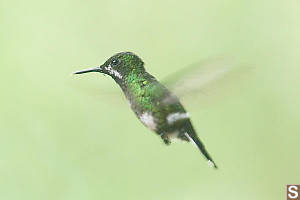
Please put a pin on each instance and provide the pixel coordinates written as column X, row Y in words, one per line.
column 154, row 105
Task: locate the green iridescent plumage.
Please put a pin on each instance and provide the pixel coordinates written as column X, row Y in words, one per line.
column 155, row 106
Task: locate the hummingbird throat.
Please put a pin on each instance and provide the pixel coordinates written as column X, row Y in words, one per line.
column 113, row 72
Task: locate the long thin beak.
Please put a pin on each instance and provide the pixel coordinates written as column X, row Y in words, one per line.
column 96, row 69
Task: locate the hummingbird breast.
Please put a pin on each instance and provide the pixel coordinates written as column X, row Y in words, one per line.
column 155, row 106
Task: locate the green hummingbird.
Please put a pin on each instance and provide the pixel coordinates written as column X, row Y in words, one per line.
column 153, row 104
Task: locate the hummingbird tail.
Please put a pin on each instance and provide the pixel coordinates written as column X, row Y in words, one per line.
column 191, row 135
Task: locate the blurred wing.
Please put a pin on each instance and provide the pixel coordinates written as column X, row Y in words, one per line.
column 107, row 94
column 207, row 78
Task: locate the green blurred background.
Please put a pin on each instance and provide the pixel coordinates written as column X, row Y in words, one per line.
column 70, row 137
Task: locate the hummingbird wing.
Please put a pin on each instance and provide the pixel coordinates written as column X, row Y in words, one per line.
column 109, row 93
column 204, row 79
column 207, row 77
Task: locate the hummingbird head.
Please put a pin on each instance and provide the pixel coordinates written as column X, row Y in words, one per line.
column 119, row 66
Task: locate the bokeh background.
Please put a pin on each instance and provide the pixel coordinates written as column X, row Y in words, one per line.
column 74, row 137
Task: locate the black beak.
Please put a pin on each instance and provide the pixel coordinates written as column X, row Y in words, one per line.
column 96, row 69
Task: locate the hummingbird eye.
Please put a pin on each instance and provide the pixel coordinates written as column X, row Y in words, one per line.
column 115, row 62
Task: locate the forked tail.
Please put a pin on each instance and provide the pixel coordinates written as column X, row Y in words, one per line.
column 191, row 135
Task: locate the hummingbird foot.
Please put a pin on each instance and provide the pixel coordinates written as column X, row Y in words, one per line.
column 165, row 138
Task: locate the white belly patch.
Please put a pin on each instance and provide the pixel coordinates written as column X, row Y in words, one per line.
column 148, row 120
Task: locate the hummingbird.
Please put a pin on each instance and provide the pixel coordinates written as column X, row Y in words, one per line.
column 154, row 104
